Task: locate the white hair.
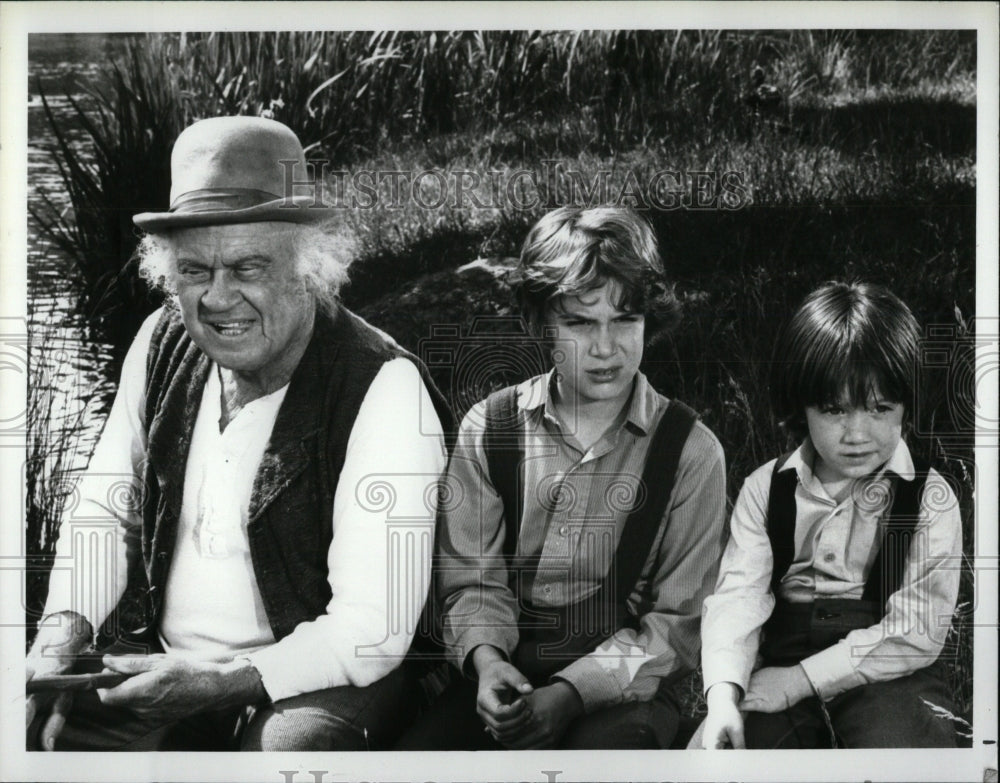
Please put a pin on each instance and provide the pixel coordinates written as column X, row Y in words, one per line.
column 322, row 257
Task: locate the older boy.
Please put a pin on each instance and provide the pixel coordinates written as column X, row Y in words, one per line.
column 587, row 522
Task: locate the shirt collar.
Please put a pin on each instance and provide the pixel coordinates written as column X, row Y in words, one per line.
column 643, row 405
column 536, row 393
column 901, row 462
column 801, row 461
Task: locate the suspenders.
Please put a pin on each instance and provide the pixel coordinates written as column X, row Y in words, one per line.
column 546, row 647
column 795, row 631
column 504, row 454
column 887, row 572
column 886, row 575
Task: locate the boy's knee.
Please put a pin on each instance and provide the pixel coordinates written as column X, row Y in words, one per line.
column 644, row 725
column 795, row 728
column 897, row 714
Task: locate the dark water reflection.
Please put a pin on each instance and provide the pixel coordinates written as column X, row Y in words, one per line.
column 68, row 376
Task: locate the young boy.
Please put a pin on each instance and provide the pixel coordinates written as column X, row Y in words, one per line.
column 586, row 517
column 841, row 570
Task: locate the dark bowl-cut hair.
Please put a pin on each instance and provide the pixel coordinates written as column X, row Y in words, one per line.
column 853, row 338
column 572, row 250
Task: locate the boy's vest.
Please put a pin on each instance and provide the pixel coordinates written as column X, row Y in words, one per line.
column 796, row 630
column 552, row 637
column 290, row 516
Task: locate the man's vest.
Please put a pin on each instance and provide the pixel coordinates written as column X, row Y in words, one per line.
column 795, row 631
column 290, row 515
column 552, row 637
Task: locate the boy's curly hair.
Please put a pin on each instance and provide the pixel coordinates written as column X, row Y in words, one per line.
column 572, row 250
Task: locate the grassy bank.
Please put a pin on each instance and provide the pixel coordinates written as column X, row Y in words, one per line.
column 844, row 104
column 857, row 161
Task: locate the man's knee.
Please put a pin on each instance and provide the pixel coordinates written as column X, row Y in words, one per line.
column 341, row 718
column 288, row 727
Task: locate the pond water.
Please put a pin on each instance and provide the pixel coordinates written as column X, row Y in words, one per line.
column 68, row 382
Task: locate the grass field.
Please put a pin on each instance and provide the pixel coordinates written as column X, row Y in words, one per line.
column 849, row 156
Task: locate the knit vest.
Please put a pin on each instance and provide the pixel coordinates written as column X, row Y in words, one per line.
column 289, row 523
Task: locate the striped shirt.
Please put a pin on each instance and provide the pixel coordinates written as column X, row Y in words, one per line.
column 576, row 502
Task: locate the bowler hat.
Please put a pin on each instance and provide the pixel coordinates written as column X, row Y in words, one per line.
column 236, row 170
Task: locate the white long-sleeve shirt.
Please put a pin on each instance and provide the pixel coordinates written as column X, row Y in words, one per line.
column 379, row 558
column 835, row 546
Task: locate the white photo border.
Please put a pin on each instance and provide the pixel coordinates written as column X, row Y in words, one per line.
column 18, row 20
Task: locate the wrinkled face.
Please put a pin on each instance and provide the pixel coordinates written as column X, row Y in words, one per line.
column 852, row 442
column 239, row 295
column 598, row 347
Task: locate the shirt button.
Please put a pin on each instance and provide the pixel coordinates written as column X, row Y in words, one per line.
column 829, row 557
column 563, row 530
column 547, row 590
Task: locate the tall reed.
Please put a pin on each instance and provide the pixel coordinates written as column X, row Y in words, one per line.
column 52, row 451
column 349, row 95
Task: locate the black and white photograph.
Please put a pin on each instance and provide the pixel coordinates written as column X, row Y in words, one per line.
column 498, row 391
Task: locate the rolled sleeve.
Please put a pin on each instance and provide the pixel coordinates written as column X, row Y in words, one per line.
column 597, row 688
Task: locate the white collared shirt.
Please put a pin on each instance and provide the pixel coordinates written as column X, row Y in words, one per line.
column 835, row 547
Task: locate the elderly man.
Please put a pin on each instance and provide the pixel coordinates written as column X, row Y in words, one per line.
column 277, row 438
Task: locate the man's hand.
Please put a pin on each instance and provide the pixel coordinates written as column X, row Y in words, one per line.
column 776, row 688
column 500, row 701
column 724, row 725
column 61, row 638
column 553, row 708
column 166, row 688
